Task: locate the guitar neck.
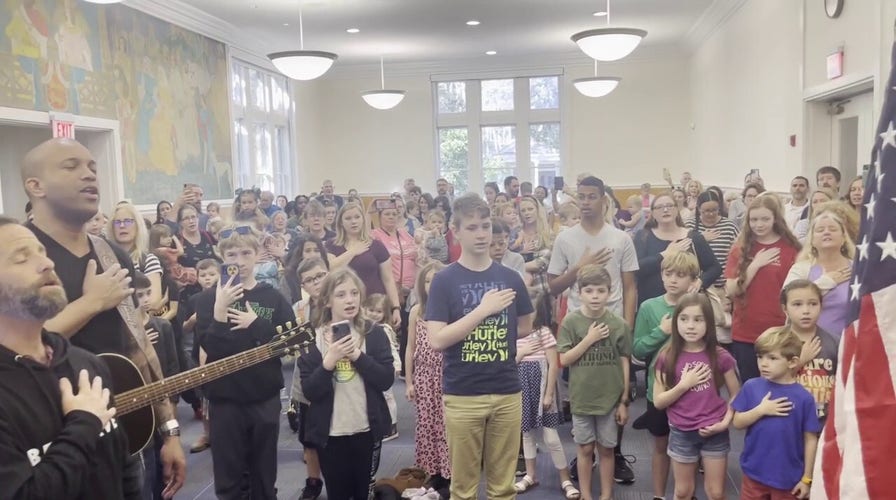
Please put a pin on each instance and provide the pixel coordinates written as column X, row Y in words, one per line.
column 135, row 399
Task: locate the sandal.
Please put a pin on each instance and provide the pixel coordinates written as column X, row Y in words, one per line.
column 525, row 484
column 570, row 490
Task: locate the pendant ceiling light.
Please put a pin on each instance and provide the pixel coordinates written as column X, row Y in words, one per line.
column 302, row 64
column 383, row 99
column 609, row 44
column 596, row 86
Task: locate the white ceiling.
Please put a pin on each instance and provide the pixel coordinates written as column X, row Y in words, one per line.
column 427, row 31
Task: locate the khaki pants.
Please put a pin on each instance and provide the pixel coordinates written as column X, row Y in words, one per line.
column 478, row 427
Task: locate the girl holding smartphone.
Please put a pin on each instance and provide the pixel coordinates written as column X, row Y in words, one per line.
column 344, row 381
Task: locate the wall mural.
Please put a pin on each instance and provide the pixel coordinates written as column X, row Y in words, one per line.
column 167, row 87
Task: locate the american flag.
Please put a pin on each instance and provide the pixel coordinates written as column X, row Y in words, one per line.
column 858, row 446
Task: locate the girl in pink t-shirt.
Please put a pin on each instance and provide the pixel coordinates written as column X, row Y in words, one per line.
column 690, row 369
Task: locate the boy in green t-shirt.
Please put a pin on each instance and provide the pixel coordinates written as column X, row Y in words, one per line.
column 653, row 325
column 596, row 344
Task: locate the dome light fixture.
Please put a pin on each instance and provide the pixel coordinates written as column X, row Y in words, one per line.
column 302, row 64
column 383, row 98
column 596, row 86
column 609, row 44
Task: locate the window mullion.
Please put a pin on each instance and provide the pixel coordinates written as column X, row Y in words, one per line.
column 474, row 134
column 521, row 109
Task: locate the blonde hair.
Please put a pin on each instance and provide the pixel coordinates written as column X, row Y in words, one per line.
column 141, row 236
column 335, row 278
column 434, row 266
column 342, row 238
column 781, row 339
column 682, row 262
column 568, row 210
column 542, row 229
column 829, row 210
column 825, row 191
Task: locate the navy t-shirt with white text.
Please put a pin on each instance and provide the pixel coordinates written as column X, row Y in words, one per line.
column 485, row 361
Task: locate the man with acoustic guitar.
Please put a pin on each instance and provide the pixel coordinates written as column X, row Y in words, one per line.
column 60, row 179
column 55, row 441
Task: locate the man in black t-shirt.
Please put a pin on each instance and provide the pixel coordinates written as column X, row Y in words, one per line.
column 60, row 180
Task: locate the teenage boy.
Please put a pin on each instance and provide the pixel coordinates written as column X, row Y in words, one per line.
column 780, row 418
column 828, row 177
column 592, row 241
column 476, row 311
column 596, row 345
column 499, row 251
column 232, row 318
column 316, row 221
column 653, row 326
column 797, row 207
column 311, row 273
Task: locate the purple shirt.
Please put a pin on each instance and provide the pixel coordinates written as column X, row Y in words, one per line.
column 366, row 265
column 700, row 406
column 834, row 305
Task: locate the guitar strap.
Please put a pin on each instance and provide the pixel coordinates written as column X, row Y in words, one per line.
column 139, row 349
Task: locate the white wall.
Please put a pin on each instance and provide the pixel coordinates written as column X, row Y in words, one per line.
column 746, row 96
column 626, row 137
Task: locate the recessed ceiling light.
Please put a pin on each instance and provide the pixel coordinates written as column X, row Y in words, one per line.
column 600, row 13
column 353, row 30
column 285, row 24
column 491, row 52
column 473, row 22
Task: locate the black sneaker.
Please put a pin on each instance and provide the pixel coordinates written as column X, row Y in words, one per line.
column 574, row 467
column 312, row 489
column 520, row 466
column 292, row 415
column 623, row 473
column 393, row 433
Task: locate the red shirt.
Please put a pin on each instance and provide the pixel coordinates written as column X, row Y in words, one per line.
column 759, row 308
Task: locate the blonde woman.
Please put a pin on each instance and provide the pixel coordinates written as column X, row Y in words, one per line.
column 819, row 196
column 692, row 189
column 535, row 240
column 354, row 247
column 127, row 230
column 827, row 260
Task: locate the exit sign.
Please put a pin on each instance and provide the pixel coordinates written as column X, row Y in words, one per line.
column 63, row 129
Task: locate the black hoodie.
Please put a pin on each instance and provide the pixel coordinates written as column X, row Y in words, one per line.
column 257, row 383
column 45, row 454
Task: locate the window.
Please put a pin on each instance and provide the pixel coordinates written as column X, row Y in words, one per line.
column 262, row 126
column 493, row 128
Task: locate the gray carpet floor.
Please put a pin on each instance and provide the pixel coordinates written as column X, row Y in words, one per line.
column 399, row 453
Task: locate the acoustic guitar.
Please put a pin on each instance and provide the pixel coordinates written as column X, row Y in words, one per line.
column 134, row 397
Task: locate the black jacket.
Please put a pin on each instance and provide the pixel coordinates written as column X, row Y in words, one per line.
column 259, row 382
column 45, row 454
column 374, row 366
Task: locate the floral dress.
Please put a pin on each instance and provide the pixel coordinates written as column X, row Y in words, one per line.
column 431, row 450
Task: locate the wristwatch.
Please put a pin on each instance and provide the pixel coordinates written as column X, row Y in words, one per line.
column 170, row 429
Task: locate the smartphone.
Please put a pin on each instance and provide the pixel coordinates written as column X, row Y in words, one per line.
column 382, row 204
column 558, row 182
column 341, row 330
column 228, row 270
column 754, row 173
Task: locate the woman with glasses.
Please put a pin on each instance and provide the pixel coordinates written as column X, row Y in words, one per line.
column 198, row 245
column 127, row 230
column 719, row 231
column 664, row 234
column 403, row 253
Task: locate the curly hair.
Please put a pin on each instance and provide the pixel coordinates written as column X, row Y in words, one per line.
column 746, row 239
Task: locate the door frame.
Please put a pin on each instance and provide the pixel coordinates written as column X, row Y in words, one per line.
column 817, row 122
column 108, row 154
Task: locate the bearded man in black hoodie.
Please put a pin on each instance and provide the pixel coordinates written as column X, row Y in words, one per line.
column 56, row 441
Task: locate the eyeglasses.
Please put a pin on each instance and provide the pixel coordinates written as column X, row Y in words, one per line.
column 242, row 230
column 664, row 207
column 123, row 222
column 317, row 278
column 709, row 211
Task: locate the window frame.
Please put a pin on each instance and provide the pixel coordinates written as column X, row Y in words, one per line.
column 278, row 123
column 521, row 118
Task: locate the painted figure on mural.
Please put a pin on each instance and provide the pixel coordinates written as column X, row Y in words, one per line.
column 72, row 36
column 28, row 31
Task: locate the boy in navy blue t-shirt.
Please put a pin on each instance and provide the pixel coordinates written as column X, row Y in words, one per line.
column 782, row 426
column 476, row 310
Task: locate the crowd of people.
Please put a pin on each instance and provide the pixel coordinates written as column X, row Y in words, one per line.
column 506, row 314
